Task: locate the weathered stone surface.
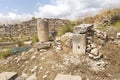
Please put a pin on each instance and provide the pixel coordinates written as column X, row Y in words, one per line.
column 52, row 34
column 67, row 77
column 39, row 46
column 32, row 77
column 34, row 69
column 118, row 35
column 88, row 50
column 43, row 30
column 94, row 51
column 22, row 77
column 28, row 28
column 8, row 76
column 58, row 48
column 83, row 28
column 28, row 42
column 66, row 40
column 79, row 43
column 99, row 56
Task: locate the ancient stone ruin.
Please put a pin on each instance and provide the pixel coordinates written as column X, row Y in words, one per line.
column 87, row 40
column 43, row 30
column 80, row 38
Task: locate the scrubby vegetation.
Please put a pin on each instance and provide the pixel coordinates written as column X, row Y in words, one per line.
column 5, row 53
column 109, row 14
column 35, row 39
column 19, row 49
column 1, row 40
column 20, row 43
column 66, row 28
column 117, row 24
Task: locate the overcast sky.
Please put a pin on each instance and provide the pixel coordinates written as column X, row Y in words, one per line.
column 70, row 9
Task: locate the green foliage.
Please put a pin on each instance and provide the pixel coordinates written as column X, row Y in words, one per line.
column 22, row 37
column 1, row 40
column 11, row 38
column 117, row 25
column 19, row 49
column 35, row 39
column 64, row 29
column 5, row 53
column 20, row 43
column 102, row 28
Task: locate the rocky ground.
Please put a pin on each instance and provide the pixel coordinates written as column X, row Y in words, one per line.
column 44, row 64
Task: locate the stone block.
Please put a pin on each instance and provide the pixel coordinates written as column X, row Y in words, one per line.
column 67, row 77
column 83, row 28
column 38, row 46
column 79, row 43
column 8, row 76
column 43, row 30
column 118, row 35
column 95, row 51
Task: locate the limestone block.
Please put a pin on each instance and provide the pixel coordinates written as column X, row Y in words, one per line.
column 8, row 76
column 39, row 46
column 118, row 35
column 95, row 51
column 83, row 28
column 79, row 43
column 43, row 30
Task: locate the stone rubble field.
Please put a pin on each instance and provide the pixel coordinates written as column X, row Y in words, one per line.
column 85, row 54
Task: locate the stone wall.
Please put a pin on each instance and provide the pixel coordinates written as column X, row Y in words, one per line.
column 28, row 28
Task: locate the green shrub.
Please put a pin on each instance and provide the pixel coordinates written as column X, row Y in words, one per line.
column 11, row 38
column 35, row 39
column 117, row 25
column 1, row 40
column 22, row 37
column 5, row 53
column 19, row 49
column 64, row 29
column 20, row 43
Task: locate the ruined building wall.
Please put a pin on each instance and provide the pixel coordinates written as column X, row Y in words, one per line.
column 28, row 28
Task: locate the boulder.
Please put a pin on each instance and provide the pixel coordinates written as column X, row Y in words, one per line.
column 28, row 42
column 93, row 45
column 22, row 77
column 83, row 28
column 66, row 40
column 118, row 35
column 94, row 51
column 99, row 56
column 88, row 50
column 8, row 76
